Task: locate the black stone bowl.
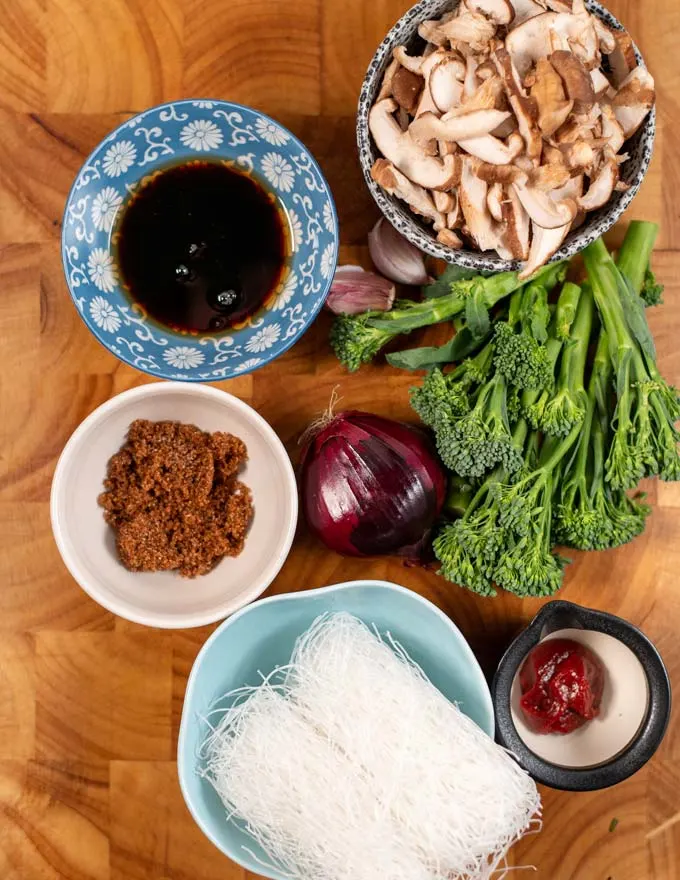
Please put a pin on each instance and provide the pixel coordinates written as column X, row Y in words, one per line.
column 566, row 615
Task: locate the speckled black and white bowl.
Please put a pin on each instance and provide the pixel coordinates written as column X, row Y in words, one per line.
column 405, row 32
column 635, row 711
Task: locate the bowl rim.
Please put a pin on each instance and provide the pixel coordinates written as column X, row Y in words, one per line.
column 388, row 586
column 125, row 357
column 166, row 620
column 421, row 237
column 651, row 732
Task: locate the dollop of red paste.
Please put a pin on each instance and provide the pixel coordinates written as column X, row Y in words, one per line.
column 561, row 682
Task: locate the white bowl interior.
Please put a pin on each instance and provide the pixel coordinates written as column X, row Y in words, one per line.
column 625, row 699
column 87, row 543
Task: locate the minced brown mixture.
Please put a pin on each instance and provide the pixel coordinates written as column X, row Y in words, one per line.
column 173, row 499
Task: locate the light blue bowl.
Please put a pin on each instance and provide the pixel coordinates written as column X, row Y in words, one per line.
column 261, row 636
column 171, row 134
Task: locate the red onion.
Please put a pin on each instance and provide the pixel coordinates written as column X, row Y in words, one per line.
column 369, row 485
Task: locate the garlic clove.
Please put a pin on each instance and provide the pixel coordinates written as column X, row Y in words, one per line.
column 395, row 256
column 354, row 290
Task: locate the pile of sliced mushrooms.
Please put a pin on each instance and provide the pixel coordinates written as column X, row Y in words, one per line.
column 507, row 130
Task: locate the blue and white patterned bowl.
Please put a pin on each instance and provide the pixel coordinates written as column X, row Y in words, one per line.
column 405, row 32
column 168, row 135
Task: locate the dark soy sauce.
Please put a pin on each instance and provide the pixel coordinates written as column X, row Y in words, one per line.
column 201, row 247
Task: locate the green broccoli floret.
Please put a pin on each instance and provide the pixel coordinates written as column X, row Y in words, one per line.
column 588, row 514
column 504, row 534
column 558, row 413
column 645, row 439
column 652, row 291
column 473, row 444
column 520, row 350
column 468, row 548
column 527, row 566
column 356, row 339
column 443, row 397
column 513, row 403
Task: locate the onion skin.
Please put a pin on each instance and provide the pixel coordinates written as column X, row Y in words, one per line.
column 370, row 486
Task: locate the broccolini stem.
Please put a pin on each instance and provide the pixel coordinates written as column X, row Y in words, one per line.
column 601, row 273
column 636, row 251
column 443, row 308
column 565, row 311
column 575, row 350
column 515, row 307
column 499, row 475
column 554, row 449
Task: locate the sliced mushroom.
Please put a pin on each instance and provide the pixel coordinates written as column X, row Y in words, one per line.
column 578, row 155
column 604, row 35
column 485, row 70
column 388, row 77
column 602, row 186
column 564, row 6
column 611, row 129
column 524, row 107
column 406, row 89
column 488, row 96
column 601, row 84
column 517, row 226
column 622, row 59
column 414, row 63
column 492, row 150
column 494, row 199
column 432, row 32
column 445, row 83
column 455, row 218
column 530, row 41
column 576, row 79
column 455, row 128
column 524, row 10
column 397, row 184
column 634, row 100
column 503, row 174
column 542, row 209
column 449, row 238
column 548, row 92
column 499, row 11
column 535, row 39
column 479, row 222
column 427, row 103
column 403, row 152
column 550, row 177
column 545, row 242
column 505, row 129
column 404, row 120
column 470, row 82
column 443, row 201
column 469, row 28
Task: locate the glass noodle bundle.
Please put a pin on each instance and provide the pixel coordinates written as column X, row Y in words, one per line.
column 350, row 765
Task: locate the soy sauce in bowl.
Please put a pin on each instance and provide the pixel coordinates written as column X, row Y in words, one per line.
column 201, row 246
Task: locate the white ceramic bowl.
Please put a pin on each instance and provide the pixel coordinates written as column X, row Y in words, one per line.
column 164, row 599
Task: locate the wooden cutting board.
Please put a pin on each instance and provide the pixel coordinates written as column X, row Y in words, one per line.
column 89, row 704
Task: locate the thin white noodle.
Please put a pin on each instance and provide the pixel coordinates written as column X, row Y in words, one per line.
column 348, row 764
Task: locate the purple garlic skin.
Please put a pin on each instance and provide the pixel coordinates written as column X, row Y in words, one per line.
column 354, row 290
column 394, row 256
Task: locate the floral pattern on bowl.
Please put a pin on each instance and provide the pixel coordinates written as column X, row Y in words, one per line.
column 405, row 32
column 168, row 135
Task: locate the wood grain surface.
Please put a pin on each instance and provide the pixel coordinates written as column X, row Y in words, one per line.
column 90, row 704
